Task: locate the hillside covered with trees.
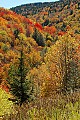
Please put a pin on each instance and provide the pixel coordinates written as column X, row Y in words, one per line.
column 40, row 61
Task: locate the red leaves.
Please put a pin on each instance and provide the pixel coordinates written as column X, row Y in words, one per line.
column 28, row 21
column 2, row 14
column 39, row 26
column 20, row 29
column 8, row 26
column 16, row 26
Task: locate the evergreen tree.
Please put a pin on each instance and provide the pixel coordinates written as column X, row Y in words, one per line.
column 20, row 86
column 16, row 33
column 38, row 37
column 71, row 77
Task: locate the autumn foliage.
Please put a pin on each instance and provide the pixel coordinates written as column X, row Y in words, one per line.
column 51, row 45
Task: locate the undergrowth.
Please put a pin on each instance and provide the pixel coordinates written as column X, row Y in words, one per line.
column 59, row 107
column 5, row 104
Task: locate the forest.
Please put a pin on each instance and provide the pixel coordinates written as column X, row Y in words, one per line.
column 40, row 61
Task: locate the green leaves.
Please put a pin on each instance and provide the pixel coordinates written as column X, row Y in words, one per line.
column 20, row 86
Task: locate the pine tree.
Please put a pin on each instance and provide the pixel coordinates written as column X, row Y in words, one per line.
column 38, row 37
column 71, row 77
column 20, row 86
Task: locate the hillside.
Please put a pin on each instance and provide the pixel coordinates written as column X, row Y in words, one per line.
column 50, row 7
column 60, row 14
column 44, row 40
column 37, row 38
column 41, row 11
column 16, row 30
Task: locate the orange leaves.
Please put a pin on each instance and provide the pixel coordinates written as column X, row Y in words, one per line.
column 3, row 73
column 15, row 26
column 68, row 27
column 4, row 86
column 51, row 30
column 43, row 13
column 2, row 21
column 29, row 30
column 79, row 47
column 1, row 51
column 7, row 66
column 61, row 33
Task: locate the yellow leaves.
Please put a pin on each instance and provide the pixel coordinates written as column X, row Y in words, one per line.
column 41, row 77
column 31, row 41
column 48, row 43
column 43, row 73
column 45, row 78
column 11, row 56
column 34, row 58
column 5, row 104
column 16, row 42
column 1, row 57
column 22, row 37
column 57, row 56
